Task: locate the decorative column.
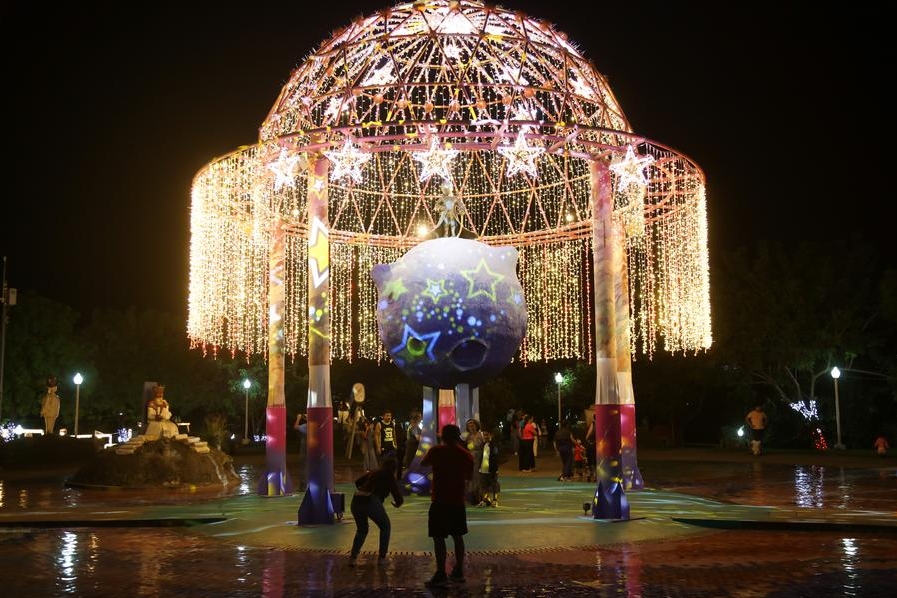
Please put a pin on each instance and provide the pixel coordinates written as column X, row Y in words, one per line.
column 415, row 479
column 317, row 506
column 610, row 499
column 276, row 479
column 446, row 412
column 463, row 410
column 632, row 477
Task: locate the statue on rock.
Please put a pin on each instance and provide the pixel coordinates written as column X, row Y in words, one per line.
column 49, row 407
column 159, row 416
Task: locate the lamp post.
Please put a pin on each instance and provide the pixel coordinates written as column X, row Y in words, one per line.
column 246, row 385
column 78, row 379
column 559, row 378
column 836, row 373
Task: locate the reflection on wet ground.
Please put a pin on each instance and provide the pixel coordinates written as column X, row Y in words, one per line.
column 185, row 561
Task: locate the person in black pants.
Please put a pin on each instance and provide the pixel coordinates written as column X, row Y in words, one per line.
column 372, row 488
column 563, row 445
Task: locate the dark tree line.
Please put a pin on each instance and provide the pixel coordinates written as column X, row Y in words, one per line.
column 782, row 317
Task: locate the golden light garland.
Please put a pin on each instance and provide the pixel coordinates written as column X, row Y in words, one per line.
column 441, row 89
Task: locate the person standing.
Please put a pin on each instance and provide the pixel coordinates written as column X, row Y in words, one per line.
column 301, row 427
column 371, row 490
column 368, row 445
column 591, row 451
column 579, row 458
column 412, row 439
column 756, row 419
column 563, row 445
column 543, row 434
column 527, row 459
column 49, row 407
column 474, row 441
column 386, row 440
column 452, row 466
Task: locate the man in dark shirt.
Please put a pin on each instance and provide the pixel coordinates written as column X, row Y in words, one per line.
column 452, row 467
column 386, row 439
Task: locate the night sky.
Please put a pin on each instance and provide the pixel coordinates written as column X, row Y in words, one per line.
column 110, row 110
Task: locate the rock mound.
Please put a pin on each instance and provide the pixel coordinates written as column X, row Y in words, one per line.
column 162, row 463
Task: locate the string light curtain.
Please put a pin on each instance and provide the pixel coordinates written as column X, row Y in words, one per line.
column 503, row 109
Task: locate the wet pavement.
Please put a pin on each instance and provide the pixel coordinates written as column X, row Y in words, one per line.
column 708, row 523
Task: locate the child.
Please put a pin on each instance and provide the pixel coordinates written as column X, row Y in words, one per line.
column 488, row 469
column 579, row 458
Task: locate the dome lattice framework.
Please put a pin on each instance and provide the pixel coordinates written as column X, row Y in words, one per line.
column 447, row 99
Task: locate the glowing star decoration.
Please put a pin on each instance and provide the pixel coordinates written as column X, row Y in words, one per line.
column 380, row 76
column 394, row 289
column 480, row 283
column 472, row 320
column 435, row 161
column 582, row 88
column 284, row 169
column 318, row 259
column 416, row 345
column 347, row 161
column 521, row 156
column 333, row 109
column 630, row 169
column 435, row 290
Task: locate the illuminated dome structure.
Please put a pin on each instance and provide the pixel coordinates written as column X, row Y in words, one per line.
column 449, row 98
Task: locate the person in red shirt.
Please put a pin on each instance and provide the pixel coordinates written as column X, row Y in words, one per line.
column 452, row 466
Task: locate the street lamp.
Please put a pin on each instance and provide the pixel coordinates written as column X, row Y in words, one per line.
column 78, row 379
column 836, row 373
column 246, row 385
column 559, row 378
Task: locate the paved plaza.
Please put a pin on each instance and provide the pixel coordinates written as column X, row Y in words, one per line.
column 709, row 522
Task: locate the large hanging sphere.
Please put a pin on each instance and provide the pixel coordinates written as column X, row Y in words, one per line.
column 451, row 311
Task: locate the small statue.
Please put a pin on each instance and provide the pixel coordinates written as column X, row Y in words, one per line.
column 451, row 210
column 49, row 407
column 160, row 424
column 158, row 406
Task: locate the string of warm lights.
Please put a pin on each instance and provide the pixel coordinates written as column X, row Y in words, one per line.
column 504, row 110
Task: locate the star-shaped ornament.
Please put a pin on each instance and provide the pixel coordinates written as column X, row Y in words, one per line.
column 630, row 169
column 521, row 156
column 435, row 161
column 284, row 169
column 482, row 281
column 347, row 161
column 416, row 345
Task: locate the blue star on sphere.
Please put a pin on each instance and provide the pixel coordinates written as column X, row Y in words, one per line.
column 415, row 344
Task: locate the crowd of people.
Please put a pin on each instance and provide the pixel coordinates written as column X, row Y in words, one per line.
column 465, row 466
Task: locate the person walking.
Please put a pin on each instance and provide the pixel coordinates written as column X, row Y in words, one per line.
column 488, row 472
column 371, row 490
column 452, row 466
column 563, row 445
column 756, row 419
